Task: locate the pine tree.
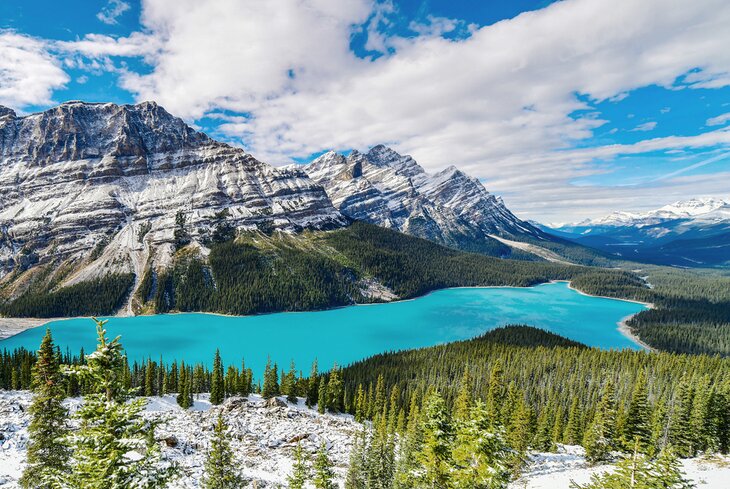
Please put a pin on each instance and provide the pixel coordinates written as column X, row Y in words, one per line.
column 360, row 404
column 638, row 415
column 462, row 404
column 111, row 425
column 313, row 385
column 288, row 384
column 217, row 386
column 356, row 471
column 271, row 381
column 409, row 447
column 435, row 453
column 47, row 456
column 480, row 453
column 543, row 441
column 573, row 432
column 322, row 397
column 519, row 433
column 599, row 437
column 323, row 475
column 149, row 379
column 300, row 469
column 334, row 391
column 641, row 472
column 496, row 393
column 221, row 470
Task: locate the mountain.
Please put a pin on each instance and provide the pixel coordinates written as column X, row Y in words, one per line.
column 689, row 233
column 102, row 188
column 392, row 190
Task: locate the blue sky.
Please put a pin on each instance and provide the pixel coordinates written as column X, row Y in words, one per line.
column 569, row 109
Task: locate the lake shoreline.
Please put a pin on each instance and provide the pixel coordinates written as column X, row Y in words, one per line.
column 12, row 326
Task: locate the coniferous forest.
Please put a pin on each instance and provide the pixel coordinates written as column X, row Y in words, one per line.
column 445, row 416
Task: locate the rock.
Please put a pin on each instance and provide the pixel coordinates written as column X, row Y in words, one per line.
column 298, row 438
column 171, row 441
column 274, row 402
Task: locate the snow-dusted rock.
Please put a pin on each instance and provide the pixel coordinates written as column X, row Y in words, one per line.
column 82, row 174
column 263, row 438
column 392, row 190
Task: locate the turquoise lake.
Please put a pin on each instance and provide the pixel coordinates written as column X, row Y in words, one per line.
column 351, row 333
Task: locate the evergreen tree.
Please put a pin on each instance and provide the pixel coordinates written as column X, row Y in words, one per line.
column 300, row 469
column 599, row 437
column 356, row 471
column 462, row 404
column 47, row 456
column 641, row 472
column 409, row 447
column 323, row 475
column 573, row 432
column 313, row 385
column 496, row 393
column 149, row 382
column 271, row 381
column 480, row 453
column 111, row 425
column 435, row 454
column 638, row 415
column 217, row 386
column 519, row 433
column 288, row 384
column 322, row 397
column 334, row 390
column 221, row 470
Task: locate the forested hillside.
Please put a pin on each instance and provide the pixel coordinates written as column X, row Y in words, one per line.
column 257, row 273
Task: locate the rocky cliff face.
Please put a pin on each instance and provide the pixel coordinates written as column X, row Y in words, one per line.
column 391, row 190
column 82, row 177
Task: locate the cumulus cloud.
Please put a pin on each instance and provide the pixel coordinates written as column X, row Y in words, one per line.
column 28, row 72
column 112, row 11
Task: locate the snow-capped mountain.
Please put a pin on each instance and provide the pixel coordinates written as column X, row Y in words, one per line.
column 81, row 175
column 694, row 232
column 706, row 209
column 392, row 190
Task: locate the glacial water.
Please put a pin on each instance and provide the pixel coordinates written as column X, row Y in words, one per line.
column 351, row 333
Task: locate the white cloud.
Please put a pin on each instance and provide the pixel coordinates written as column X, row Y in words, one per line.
column 646, row 126
column 112, row 11
column 719, row 120
column 28, row 73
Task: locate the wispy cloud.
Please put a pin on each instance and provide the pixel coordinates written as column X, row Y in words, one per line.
column 646, row 126
column 111, row 11
column 694, row 166
column 719, row 120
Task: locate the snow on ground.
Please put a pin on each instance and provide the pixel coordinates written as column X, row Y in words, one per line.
column 263, row 436
column 557, row 470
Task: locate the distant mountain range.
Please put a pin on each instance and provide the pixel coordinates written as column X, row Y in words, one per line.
column 692, row 233
column 98, row 188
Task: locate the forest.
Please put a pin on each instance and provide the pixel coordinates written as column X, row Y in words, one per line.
column 519, row 387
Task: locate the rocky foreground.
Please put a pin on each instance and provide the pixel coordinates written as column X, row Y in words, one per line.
column 263, row 434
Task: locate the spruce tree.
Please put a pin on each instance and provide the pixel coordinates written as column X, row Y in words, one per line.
column 480, row 453
column 322, row 397
column 334, row 391
column 638, row 416
column 356, row 470
column 599, row 437
column 288, row 384
column 462, row 404
column 221, row 470
column 217, row 386
column 496, row 393
column 300, row 470
column 313, row 385
column 322, row 473
column 271, row 381
column 435, row 453
column 47, row 456
column 111, row 426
